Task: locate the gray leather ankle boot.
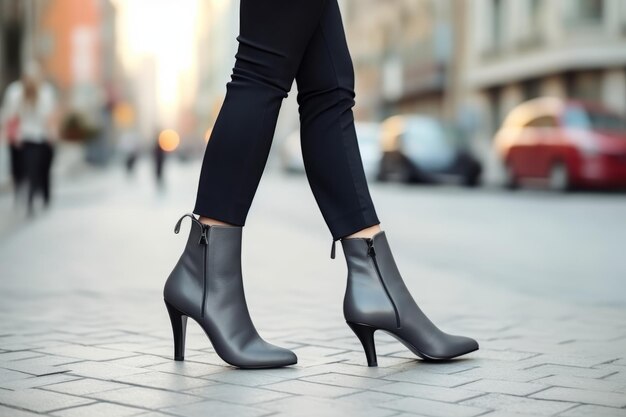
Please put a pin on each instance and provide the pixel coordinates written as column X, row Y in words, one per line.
column 377, row 299
column 206, row 285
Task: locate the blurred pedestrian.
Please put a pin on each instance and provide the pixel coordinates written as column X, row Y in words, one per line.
column 159, row 155
column 279, row 41
column 129, row 147
column 30, row 104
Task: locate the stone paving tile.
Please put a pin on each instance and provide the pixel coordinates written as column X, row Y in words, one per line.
column 498, row 373
column 149, row 398
column 140, row 361
column 36, row 381
column 358, row 358
column 324, row 407
column 429, row 392
column 99, row 410
column 499, row 413
column 594, row 411
column 103, row 370
column 187, row 368
column 450, row 367
column 244, row 378
column 427, row 378
column 501, row 355
column 85, row 386
column 310, row 388
column 585, row 361
column 216, row 409
column 610, row 399
column 314, row 351
column 562, row 370
column 506, row 387
column 372, row 398
column 90, row 353
column 583, row 383
column 10, row 375
column 343, row 380
column 24, row 354
column 237, row 394
column 618, row 377
column 35, row 369
column 434, row 408
column 40, row 401
column 13, row 412
column 508, row 403
column 163, row 380
column 49, row 360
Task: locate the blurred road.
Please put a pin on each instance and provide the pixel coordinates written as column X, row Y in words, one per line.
column 536, row 277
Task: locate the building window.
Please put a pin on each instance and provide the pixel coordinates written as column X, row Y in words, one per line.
column 586, row 11
column 496, row 24
column 531, row 88
column 535, row 14
column 586, row 85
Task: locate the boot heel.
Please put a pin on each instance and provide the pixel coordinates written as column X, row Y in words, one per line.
column 365, row 334
column 179, row 329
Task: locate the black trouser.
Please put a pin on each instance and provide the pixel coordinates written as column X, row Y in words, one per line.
column 37, row 163
column 17, row 166
column 280, row 40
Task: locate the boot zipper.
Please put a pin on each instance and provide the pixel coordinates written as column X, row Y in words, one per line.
column 204, row 240
column 372, row 254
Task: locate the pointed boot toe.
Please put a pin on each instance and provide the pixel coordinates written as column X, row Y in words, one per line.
column 464, row 345
column 282, row 357
column 262, row 354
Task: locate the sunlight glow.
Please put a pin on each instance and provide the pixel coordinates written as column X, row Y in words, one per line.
column 164, row 30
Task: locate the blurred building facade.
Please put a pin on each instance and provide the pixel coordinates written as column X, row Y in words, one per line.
column 521, row 49
column 403, row 55
column 516, row 50
column 218, row 24
column 472, row 61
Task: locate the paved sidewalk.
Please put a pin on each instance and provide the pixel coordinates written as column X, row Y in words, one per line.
column 83, row 330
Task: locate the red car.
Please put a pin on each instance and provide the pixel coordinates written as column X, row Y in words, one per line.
column 566, row 144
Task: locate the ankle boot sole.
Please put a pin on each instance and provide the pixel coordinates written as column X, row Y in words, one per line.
column 365, row 333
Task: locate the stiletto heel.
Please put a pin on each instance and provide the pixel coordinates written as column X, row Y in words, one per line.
column 365, row 334
column 179, row 329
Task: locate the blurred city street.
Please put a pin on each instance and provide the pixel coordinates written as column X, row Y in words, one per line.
column 536, row 277
column 493, row 137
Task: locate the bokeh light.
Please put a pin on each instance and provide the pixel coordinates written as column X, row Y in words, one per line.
column 169, row 140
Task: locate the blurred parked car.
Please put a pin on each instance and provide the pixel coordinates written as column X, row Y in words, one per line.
column 367, row 133
column 564, row 144
column 423, row 149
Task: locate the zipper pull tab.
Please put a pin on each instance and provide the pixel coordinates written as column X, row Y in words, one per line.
column 177, row 227
column 204, row 236
column 332, row 250
column 370, row 248
column 190, row 215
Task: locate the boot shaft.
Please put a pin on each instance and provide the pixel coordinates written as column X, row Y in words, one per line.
column 209, row 265
column 368, row 297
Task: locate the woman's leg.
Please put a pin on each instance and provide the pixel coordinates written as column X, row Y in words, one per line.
column 272, row 39
column 329, row 143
